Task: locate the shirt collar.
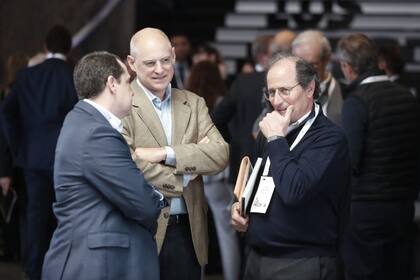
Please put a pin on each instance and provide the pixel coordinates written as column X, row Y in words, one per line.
column 113, row 120
column 56, row 55
column 300, row 121
column 153, row 98
column 324, row 84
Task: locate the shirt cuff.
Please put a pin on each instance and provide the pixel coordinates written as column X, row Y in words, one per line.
column 186, row 180
column 170, row 156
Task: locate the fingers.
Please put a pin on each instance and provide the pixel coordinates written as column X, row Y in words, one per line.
column 289, row 112
column 238, row 222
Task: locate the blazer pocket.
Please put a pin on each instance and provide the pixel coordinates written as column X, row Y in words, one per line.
column 108, row 239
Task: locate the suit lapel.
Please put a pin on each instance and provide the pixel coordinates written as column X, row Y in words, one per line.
column 144, row 108
column 181, row 113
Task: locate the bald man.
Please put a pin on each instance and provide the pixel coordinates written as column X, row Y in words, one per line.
column 282, row 41
column 314, row 47
column 174, row 142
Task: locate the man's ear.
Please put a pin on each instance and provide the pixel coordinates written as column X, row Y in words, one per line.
column 130, row 62
column 111, row 83
column 310, row 89
column 173, row 55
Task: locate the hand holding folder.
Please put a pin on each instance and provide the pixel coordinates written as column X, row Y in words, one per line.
column 245, row 182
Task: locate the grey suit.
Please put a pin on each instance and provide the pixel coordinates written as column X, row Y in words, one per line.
column 107, row 213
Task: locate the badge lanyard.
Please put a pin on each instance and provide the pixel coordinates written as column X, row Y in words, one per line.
column 266, row 187
column 301, row 134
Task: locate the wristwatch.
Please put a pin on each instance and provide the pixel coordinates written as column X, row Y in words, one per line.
column 274, row 137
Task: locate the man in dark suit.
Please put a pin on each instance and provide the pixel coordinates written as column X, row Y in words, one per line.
column 107, row 213
column 236, row 113
column 33, row 114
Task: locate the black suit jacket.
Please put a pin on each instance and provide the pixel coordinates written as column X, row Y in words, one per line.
column 240, row 108
column 34, row 111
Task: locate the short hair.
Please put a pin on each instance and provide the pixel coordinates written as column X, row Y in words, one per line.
column 305, row 72
column 210, row 51
column 261, row 45
column 390, row 52
column 359, row 51
column 58, row 40
column 314, row 36
column 92, row 71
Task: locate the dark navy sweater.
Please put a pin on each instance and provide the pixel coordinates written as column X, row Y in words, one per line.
column 310, row 203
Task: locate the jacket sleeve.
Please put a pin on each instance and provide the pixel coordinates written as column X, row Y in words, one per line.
column 225, row 111
column 110, row 169
column 202, row 158
column 354, row 121
column 10, row 119
column 159, row 175
column 5, row 158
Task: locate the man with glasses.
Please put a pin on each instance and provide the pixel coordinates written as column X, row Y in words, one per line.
column 174, row 142
column 302, row 194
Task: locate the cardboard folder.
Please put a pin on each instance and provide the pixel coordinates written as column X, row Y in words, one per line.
column 245, row 182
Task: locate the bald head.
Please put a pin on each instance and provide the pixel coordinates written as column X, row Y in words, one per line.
column 148, row 37
column 152, row 58
column 282, row 41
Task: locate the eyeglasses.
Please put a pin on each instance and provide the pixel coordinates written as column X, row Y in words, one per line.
column 164, row 62
column 269, row 93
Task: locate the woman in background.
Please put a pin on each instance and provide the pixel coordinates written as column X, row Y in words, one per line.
column 205, row 80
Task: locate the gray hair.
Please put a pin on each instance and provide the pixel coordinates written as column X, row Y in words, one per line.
column 314, row 36
column 359, row 51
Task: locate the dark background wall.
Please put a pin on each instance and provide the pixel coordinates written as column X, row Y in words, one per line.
column 24, row 23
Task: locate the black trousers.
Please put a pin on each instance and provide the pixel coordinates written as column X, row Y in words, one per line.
column 177, row 257
column 379, row 241
column 40, row 220
column 260, row 267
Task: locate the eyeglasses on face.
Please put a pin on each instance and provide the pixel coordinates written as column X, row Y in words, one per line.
column 269, row 93
column 164, row 62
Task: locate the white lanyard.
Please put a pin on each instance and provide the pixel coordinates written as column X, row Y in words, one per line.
column 301, row 134
column 374, row 79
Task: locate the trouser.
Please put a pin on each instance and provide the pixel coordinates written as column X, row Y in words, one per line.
column 177, row 258
column 220, row 198
column 260, row 267
column 40, row 220
column 379, row 241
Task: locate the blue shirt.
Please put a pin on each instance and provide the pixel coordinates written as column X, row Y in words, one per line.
column 163, row 109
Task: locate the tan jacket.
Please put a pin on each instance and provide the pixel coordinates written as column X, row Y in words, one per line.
column 190, row 124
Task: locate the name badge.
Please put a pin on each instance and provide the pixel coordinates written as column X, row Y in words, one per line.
column 263, row 196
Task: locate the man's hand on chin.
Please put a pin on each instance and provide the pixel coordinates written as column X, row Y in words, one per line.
column 275, row 124
column 153, row 155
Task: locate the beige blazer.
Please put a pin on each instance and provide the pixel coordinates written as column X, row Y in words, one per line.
column 190, row 123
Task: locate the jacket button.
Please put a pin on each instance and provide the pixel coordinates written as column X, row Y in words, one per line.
column 166, row 215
